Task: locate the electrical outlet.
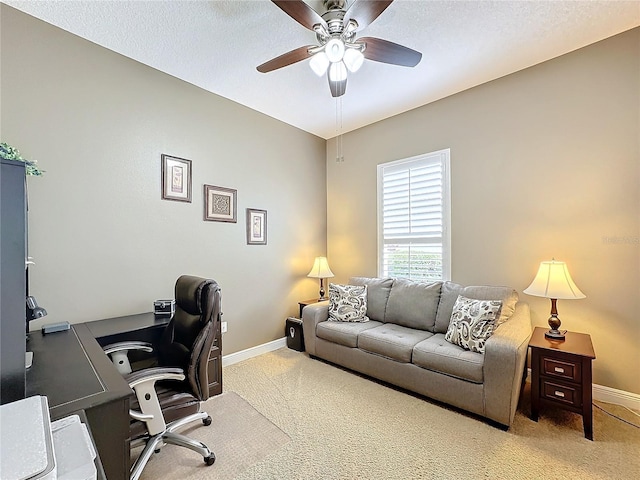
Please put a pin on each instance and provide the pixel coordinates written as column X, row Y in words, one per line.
column 224, row 327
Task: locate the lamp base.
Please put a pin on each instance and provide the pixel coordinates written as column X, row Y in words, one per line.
column 555, row 334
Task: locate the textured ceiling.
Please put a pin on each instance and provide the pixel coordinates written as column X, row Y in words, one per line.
column 217, row 45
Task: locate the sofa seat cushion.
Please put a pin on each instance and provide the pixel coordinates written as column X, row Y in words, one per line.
column 392, row 341
column 413, row 304
column 344, row 333
column 438, row 355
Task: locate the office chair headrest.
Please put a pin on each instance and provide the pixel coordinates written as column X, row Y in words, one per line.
column 189, row 291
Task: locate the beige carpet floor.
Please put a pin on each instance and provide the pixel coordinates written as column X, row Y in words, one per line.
column 238, row 435
column 344, row 426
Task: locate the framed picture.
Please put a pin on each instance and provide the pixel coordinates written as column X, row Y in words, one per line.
column 256, row 226
column 220, row 204
column 176, row 179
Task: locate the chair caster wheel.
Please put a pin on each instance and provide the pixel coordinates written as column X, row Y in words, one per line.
column 210, row 459
column 207, row 421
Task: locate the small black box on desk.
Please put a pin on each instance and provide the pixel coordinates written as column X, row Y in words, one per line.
column 164, row 307
column 293, row 331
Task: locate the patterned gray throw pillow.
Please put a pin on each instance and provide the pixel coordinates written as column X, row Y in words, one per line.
column 347, row 303
column 472, row 323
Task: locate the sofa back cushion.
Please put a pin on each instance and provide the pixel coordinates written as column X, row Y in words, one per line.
column 450, row 291
column 413, row 304
column 377, row 295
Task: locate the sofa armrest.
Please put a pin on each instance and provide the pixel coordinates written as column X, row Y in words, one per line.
column 312, row 315
column 504, row 363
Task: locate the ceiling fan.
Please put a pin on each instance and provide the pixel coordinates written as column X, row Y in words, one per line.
column 339, row 51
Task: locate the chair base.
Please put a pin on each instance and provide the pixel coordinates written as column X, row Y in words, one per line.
column 169, row 436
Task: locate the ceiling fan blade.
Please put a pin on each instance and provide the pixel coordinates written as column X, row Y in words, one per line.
column 286, row 59
column 301, row 13
column 365, row 11
column 337, row 88
column 384, row 51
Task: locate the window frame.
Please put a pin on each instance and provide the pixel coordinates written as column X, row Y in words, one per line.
column 443, row 157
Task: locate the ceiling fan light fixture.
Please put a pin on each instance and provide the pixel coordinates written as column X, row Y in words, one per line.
column 353, row 59
column 337, row 72
column 334, row 50
column 319, row 63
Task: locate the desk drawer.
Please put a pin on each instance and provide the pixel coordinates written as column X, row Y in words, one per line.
column 567, row 370
column 565, row 394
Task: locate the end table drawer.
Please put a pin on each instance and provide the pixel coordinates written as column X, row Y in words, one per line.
column 562, row 393
column 561, row 369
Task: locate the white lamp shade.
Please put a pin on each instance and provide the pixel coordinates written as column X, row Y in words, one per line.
column 553, row 281
column 353, row 59
column 319, row 63
column 320, row 268
column 337, row 72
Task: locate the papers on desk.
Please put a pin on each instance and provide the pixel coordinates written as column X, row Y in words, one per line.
column 31, row 447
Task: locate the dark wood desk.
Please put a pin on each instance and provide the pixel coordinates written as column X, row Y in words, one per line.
column 147, row 327
column 73, row 372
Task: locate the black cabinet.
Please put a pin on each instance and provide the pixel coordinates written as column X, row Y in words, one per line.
column 13, row 286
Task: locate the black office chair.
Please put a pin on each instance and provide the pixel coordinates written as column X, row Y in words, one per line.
column 162, row 406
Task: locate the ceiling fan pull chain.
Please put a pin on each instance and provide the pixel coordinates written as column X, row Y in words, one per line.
column 339, row 151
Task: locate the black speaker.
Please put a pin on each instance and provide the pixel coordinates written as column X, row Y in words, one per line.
column 293, row 331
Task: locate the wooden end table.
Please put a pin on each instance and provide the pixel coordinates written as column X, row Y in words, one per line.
column 304, row 303
column 561, row 375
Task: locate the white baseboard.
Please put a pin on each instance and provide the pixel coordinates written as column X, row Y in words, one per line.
column 253, row 351
column 600, row 392
column 612, row 395
column 620, row 397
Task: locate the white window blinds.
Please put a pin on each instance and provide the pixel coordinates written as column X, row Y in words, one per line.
column 413, row 217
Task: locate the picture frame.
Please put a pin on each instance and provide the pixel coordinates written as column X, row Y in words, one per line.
column 256, row 226
column 176, row 179
column 220, row 204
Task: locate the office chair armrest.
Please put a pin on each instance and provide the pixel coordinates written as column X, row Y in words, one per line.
column 119, row 353
column 129, row 345
column 153, row 375
column 143, row 383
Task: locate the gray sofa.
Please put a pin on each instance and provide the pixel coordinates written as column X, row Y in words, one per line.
column 404, row 344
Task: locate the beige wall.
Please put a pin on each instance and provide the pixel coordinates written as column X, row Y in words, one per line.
column 545, row 163
column 104, row 242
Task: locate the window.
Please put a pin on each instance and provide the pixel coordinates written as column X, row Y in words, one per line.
column 414, row 218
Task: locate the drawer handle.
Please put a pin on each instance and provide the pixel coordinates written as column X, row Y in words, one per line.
column 558, row 370
column 558, row 394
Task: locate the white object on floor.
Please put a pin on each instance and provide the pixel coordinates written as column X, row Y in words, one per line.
column 26, row 443
column 74, row 449
column 33, row 448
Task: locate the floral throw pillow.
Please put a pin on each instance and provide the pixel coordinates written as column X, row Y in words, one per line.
column 472, row 323
column 347, row 303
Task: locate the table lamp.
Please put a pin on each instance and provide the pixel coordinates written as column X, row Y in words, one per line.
column 321, row 270
column 553, row 281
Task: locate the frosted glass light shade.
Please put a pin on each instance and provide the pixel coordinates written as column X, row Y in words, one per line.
column 337, row 72
column 554, row 281
column 319, row 63
column 353, row 59
column 320, row 268
column 334, row 50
